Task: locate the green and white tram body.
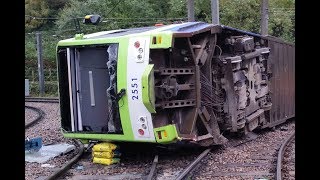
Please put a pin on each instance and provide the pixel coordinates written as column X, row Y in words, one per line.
column 183, row 82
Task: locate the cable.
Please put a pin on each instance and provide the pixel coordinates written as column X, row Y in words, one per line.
column 220, row 50
column 145, row 18
column 33, row 17
column 49, row 18
column 282, row 8
column 137, row 22
column 162, row 18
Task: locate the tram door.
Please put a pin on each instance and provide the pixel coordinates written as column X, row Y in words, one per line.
column 93, row 82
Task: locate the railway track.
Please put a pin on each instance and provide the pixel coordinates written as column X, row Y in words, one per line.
column 193, row 165
column 40, row 115
column 259, row 162
column 250, row 159
column 279, row 174
column 42, row 99
column 262, row 157
column 185, row 172
column 59, row 172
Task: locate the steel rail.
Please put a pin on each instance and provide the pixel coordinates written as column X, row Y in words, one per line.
column 42, row 99
column 153, row 168
column 280, row 155
column 193, row 164
column 40, row 116
column 68, row 165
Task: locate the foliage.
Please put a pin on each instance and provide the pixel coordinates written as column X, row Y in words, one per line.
column 245, row 15
column 282, row 19
column 117, row 14
column 159, row 8
column 177, row 8
column 55, row 6
column 50, row 88
column 49, row 43
column 241, row 14
column 35, row 8
column 56, row 20
column 30, row 47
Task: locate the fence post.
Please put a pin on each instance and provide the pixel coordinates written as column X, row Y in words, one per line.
column 26, row 87
column 190, row 6
column 40, row 63
column 215, row 11
column 264, row 17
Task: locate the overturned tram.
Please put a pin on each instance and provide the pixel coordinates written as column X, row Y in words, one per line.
column 167, row 84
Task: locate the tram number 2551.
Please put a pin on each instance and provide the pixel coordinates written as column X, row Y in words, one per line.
column 134, row 91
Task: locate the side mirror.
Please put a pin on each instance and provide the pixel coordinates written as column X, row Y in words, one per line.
column 92, row 19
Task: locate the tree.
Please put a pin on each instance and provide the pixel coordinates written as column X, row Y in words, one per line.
column 160, row 8
column 35, row 8
column 282, row 19
column 115, row 14
column 203, row 10
column 245, row 15
column 241, row 14
column 55, row 6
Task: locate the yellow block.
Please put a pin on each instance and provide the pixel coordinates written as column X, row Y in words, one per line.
column 103, row 154
column 105, row 161
column 104, row 147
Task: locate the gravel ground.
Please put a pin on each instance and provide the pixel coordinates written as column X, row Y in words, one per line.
column 240, row 161
column 254, row 159
column 30, row 115
column 136, row 158
column 49, row 129
column 288, row 170
column 135, row 163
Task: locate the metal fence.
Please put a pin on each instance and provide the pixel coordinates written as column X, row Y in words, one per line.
column 32, row 74
column 50, row 82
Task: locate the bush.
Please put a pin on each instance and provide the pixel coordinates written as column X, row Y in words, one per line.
column 50, row 88
column 49, row 43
